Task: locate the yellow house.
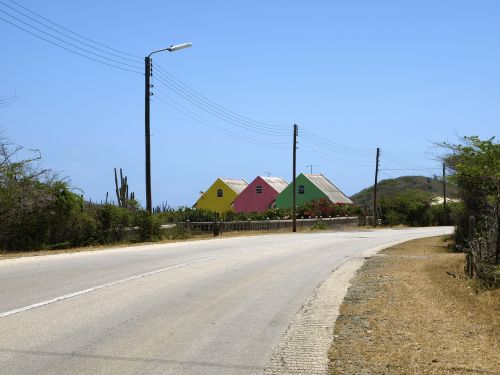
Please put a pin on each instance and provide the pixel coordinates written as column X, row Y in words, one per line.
column 220, row 196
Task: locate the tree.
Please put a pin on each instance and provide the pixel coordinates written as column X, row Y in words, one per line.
column 410, row 207
column 475, row 167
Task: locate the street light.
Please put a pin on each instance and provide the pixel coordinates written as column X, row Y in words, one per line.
column 147, row 61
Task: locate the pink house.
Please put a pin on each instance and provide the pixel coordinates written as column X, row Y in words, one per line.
column 259, row 195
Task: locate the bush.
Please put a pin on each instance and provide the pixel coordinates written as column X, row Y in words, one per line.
column 410, row 207
column 325, row 208
column 111, row 223
column 149, row 226
column 475, row 167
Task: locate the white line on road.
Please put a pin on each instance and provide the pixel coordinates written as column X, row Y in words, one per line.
column 113, row 283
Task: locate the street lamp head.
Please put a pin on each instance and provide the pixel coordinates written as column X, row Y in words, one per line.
column 172, row 48
column 179, row 46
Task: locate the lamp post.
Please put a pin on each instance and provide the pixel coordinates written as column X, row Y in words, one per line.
column 147, row 61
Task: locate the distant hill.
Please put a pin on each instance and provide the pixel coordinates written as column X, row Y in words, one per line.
column 392, row 186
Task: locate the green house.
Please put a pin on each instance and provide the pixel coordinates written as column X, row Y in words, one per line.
column 311, row 187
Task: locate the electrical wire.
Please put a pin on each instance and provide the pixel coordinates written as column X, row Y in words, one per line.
column 410, row 169
column 185, row 87
column 68, row 43
column 187, row 112
column 74, row 33
column 70, row 50
column 217, row 114
column 122, row 60
column 335, row 145
column 5, row 102
column 70, row 37
column 223, row 115
column 388, row 157
column 333, row 159
column 314, row 142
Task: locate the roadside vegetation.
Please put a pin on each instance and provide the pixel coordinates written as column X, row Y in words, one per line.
column 414, row 207
column 392, row 186
column 39, row 210
column 475, row 167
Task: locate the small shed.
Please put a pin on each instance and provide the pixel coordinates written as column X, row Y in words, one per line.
column 259, row 195
column 221, row 194
column 311, row 187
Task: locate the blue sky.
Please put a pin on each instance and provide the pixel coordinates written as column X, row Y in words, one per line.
column 399, row 75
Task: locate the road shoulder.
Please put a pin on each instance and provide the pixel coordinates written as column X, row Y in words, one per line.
column 303, row 349
column 410, row 310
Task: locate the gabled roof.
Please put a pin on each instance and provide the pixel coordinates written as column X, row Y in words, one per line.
column 237, row 185
column 333, row 193
column 277, row 183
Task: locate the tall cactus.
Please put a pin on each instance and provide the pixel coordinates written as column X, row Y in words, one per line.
column 121, row 190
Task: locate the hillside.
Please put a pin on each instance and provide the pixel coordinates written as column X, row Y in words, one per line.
column 395, row 185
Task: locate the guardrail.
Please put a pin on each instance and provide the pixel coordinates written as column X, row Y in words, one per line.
column 229, row 226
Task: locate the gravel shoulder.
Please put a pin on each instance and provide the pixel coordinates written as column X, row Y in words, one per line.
column 410, row 310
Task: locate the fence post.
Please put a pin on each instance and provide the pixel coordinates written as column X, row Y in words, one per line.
column 215, row 229
column 472, row 226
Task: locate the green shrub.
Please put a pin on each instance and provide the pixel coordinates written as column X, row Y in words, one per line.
column 410, row 207
column 149, row 225
column 111, row 223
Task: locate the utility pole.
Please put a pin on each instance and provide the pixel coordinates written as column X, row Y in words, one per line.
column 311, row 167
column 375, row 189
column 149, row 205
column 294, row 215
column 147, row 132
column 444, row 195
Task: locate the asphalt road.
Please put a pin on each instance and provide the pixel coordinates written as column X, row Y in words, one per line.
column 203, row 307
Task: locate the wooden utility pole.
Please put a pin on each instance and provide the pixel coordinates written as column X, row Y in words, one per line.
column 375, row 188
column 444, row 194
column 311, row 167
column 294, row 215
column 149, row 205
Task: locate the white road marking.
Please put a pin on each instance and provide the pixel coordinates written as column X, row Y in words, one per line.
column 117, row 282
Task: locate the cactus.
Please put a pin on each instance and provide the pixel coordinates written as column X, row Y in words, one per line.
column 122, row 194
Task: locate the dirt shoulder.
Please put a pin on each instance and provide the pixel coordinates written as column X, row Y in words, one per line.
column 410, row 310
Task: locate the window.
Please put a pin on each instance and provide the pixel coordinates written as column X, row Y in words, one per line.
column 258, row 189
column 301, row 189
column 219, row 193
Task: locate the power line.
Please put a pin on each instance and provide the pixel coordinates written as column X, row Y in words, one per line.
column 217, row 114
column 335, row 145
column 70, row 37
column 314, row 142
column 5, row 102
column 397, row 161
column 165, row 74
column 216, row 110
column 66, row 42
column 68, row 49
column 74, row 33
column 333, row 160
column 187, row 112
column 119, row 61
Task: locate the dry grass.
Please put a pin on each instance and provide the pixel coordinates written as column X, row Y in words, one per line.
column 410, row 310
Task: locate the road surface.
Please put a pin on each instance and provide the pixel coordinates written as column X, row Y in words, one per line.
column 202, row 307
